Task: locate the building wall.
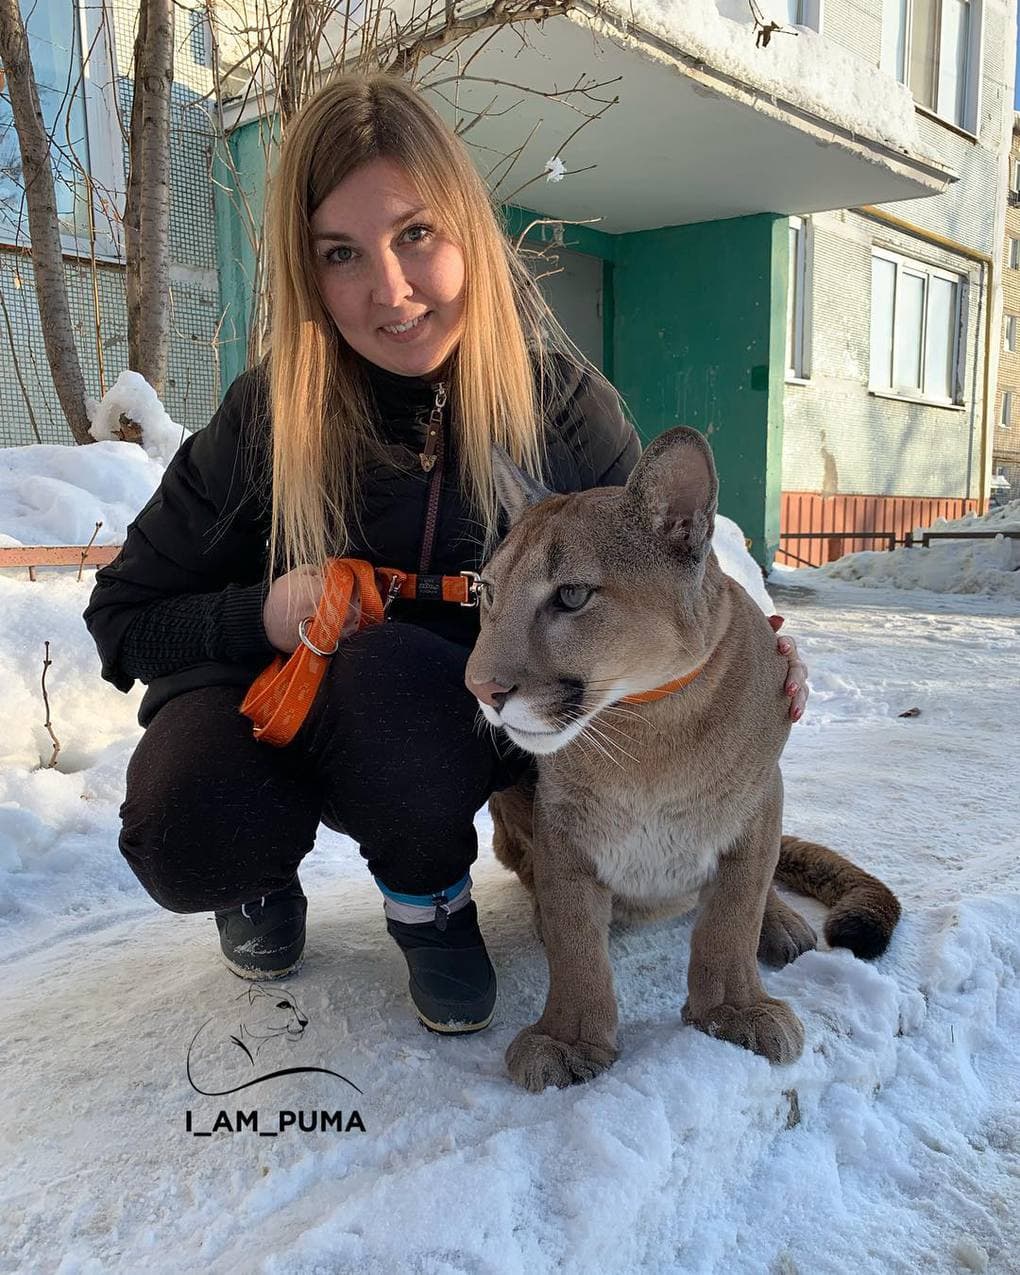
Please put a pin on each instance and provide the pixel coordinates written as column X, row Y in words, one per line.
column 1006, row 449
column 838, row 437
column 96, row 293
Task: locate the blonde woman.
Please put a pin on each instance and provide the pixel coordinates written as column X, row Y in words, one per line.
column 406, row 340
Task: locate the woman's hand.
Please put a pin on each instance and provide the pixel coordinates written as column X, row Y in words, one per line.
column 292, row 598
column 796, row 677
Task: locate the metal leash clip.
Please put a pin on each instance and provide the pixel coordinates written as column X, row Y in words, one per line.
column 474, row 588
column 392, row 592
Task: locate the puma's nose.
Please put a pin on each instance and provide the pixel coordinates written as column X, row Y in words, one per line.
column 491, row 693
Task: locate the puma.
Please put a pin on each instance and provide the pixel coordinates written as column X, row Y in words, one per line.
column 650, row 806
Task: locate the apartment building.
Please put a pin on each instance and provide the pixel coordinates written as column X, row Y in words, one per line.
column 1006, row 448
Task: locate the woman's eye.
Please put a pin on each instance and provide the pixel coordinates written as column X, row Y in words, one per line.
column 334, row 259
column 426, row 235
column 573, row 596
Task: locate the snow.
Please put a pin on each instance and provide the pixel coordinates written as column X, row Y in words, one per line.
column 945, row 566
column 555, row 169
column 893, row 1144
column 133, row 396
column 816, row 73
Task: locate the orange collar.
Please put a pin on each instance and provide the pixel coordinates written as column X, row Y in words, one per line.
column 660, row 692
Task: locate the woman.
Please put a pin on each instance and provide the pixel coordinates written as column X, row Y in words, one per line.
column 406, row 339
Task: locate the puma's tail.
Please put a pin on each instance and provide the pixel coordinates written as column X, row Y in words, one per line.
column 863, row 912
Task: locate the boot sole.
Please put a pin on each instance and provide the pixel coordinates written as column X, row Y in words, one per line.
column 452, row 1029
column 261, row 976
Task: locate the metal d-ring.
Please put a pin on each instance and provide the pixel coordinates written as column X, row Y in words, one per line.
column 302, row 629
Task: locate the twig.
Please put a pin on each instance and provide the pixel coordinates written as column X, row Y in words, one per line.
column 85, row 551
column 46, row 700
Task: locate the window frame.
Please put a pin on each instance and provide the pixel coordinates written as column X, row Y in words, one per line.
column 105, row 143
column 798, row 369
column 1006, row 410
column 1013, row 253
column 914, row 266
column 1009, row 334
column 970, row 115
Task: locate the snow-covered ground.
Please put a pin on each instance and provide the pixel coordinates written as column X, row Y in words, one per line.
column 893, row 1145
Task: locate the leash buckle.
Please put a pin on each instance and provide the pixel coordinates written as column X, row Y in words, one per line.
column 306, row 641
column 474, row 588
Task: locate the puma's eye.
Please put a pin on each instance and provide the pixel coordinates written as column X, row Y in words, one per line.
column 573, row 596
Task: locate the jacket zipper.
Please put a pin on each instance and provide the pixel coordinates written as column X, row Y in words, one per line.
column 432, row 463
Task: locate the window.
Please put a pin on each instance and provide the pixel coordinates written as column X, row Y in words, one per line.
column 797, row 301
column 1006, row 414
column 201, row 43
column 933, row 47
column 80, row 118
column 916, row 341
column 1014, row 253
column 1011, row 333
column 803, row 13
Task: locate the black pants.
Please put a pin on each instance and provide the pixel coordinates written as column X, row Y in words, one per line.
column 390, row 754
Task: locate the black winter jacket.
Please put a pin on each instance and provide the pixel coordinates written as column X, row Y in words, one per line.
column 181, row 605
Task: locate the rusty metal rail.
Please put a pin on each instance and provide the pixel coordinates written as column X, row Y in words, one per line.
column 32, row 556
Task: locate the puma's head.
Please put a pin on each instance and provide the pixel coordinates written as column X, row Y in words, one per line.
column 595, row 595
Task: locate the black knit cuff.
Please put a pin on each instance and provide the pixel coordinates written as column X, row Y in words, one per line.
column 241, row 631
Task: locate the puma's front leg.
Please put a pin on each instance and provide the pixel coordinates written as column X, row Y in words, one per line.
column 575, row 1038
column 725, row 996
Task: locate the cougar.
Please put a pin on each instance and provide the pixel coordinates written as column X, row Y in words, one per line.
column 648, row 686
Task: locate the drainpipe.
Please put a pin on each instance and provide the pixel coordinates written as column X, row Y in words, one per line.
column 987, row 273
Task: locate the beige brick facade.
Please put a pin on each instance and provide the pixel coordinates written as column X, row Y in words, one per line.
column 1006, row 438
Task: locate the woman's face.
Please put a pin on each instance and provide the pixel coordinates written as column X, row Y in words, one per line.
column 382, row 261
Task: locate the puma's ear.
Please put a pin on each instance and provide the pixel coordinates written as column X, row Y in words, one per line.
column 515, row 490
column 675, row 484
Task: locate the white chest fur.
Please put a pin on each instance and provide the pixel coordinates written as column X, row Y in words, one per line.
column 662, row 855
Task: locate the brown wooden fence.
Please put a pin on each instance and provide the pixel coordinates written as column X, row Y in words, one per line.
column 866, row 522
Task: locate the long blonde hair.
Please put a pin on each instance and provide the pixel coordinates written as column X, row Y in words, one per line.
column 319, row 397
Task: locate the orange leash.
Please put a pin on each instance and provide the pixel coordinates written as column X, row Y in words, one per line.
column 279, row 699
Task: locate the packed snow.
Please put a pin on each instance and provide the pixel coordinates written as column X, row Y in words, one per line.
column 944, row 566
column 798, row 63
column 132, row 396
column 893, row 1144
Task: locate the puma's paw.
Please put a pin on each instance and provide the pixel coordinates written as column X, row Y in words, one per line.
column 784, row 936
column 536, row 1061
column 767, row 1027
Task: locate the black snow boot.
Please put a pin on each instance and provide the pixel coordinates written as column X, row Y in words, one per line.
column 452, row 983
column 265, row 939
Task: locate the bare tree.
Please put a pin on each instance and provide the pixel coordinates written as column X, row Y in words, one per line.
column 43, row 223
column 147, row 205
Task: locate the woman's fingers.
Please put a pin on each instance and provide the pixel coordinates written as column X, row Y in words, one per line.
column 796, row 677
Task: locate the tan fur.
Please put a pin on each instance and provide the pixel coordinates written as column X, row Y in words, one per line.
column 645, row 810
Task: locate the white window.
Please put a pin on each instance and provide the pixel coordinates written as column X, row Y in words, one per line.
column 916, row 340
column 800, row 13
column 1011, row 333
column 798, row 300
column 79, row 114
column 1014, row 253
column 1014, row 175
column 1006, row 414
column 933, row 46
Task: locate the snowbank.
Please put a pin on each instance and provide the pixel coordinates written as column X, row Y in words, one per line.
column 989, row 567
column 132, row 395
column 805, row 68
